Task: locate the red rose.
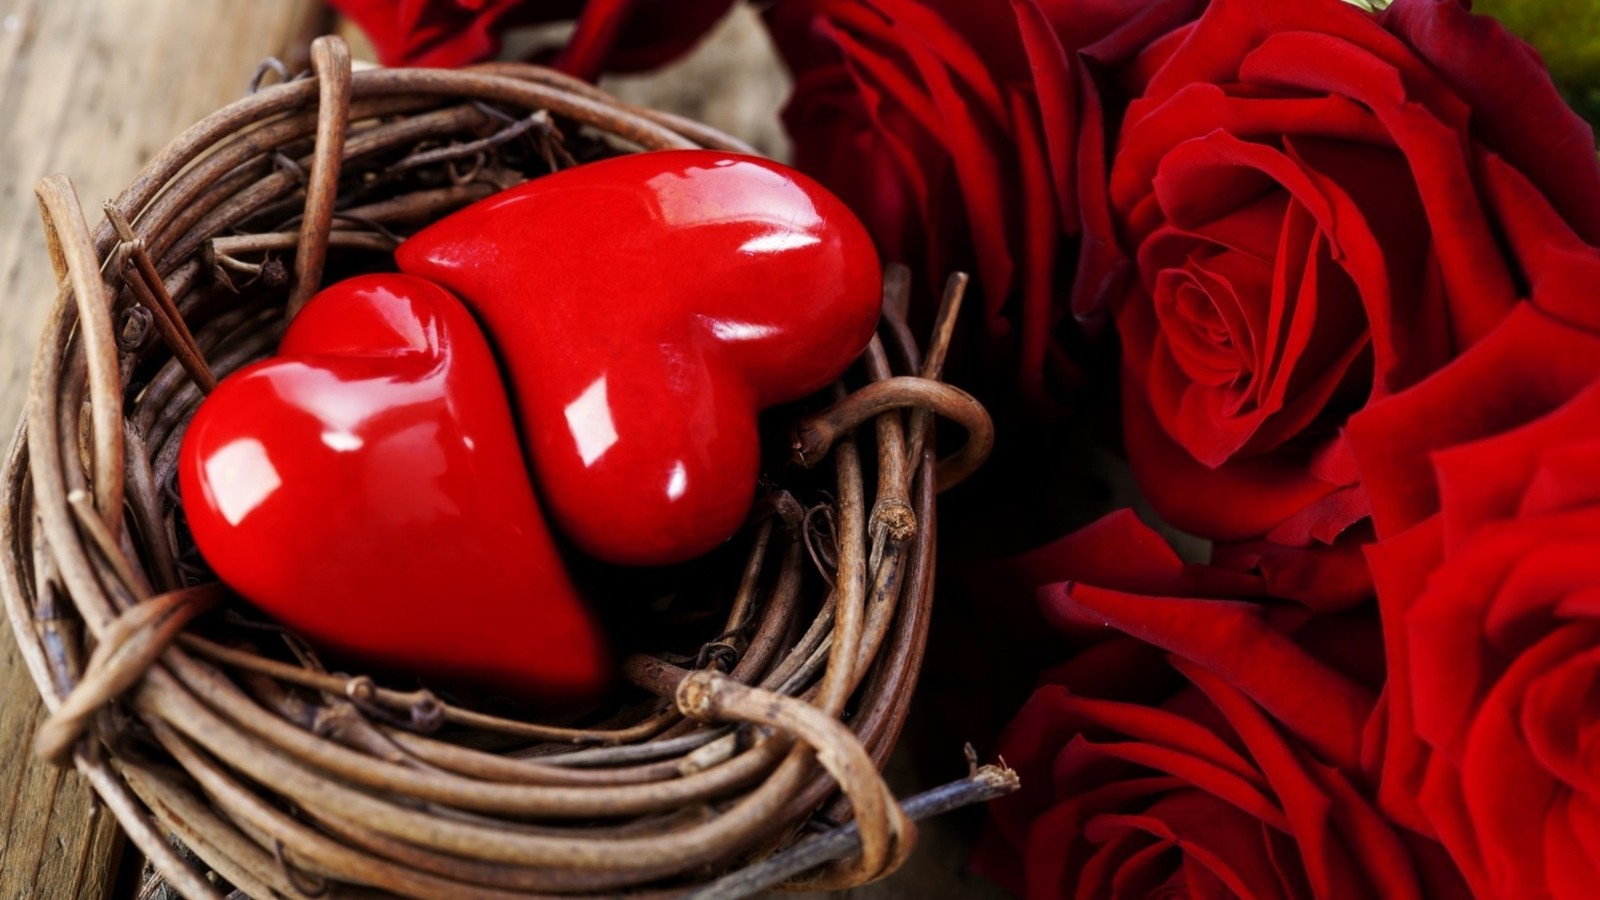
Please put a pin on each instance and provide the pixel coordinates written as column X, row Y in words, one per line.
column 635, row 35
column 434, row 33
column 1485, row 485
column 1209, row 748
column 1303, row 201
column 952, row 128
column 619, row 35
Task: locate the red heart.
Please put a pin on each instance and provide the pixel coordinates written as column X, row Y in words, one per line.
column 647, row 308
column 366, row 488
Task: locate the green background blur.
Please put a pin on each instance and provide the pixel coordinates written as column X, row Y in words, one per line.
column 1567, row 33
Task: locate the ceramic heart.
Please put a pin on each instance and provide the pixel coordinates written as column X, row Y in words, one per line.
column 366, row 487
column 647, row 308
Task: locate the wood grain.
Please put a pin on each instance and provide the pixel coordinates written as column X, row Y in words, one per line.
column 92, row 88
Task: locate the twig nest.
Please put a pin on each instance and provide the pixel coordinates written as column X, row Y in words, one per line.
column 286, row 778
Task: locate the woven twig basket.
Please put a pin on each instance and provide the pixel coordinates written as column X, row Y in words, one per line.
column 285, row 779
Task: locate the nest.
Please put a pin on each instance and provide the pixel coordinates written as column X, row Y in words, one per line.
column 726, row 765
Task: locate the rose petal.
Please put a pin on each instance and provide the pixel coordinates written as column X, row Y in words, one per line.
column 1569, row 862
column 1555, row 719
column 1103, row 266
column 1160, row 740
column 1029, row 744
column 895, row 109
column 1058, row 848
column 1041, row 239
column 1472, row 265
column 1056, row 88
column 1441, row 800
column 1564, row 479
column 1230, row 30
column 1121, row 669
column 1547, row 581
column 1123, row 858
column 1237, row 501
column 1381, row 238
column 599, row 26
column 1325, row 578
column 1117, row 551
column 972, row 143
column 1450, row 669
column 870, row 45
column 1223, row 842
column 1233, row 640
column 1560, row 267
column 1471, row 501
column 1346, row 847
column 1400, row 567
column 1154, row 128
column 913, row 21
column 431, row 33
column 1528, row 366
column 1203, row 331
column 1518, row 112
column 1504, row 787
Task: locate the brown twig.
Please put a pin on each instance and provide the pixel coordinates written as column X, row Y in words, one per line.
column 540, row 119
column 77, row 271
column 892, row 519
column 225, row 250
column 984, row 784
column 815, row 435
column 330, row 60
column 139, row 273
column 125, row 651
column 944, row 327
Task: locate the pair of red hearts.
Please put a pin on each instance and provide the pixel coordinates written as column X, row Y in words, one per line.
column 367, row 488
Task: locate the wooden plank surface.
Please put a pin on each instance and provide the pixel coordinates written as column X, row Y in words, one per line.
column 91, row 88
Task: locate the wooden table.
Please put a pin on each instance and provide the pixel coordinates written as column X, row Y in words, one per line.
column 92, row 88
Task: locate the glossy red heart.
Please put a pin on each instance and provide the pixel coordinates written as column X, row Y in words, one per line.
column 366, row 487
column 647, row 308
